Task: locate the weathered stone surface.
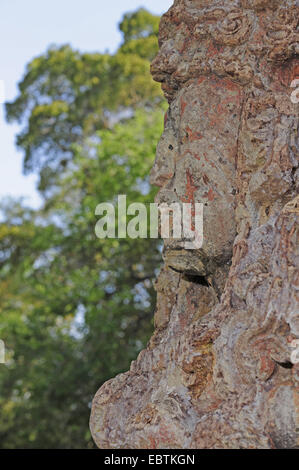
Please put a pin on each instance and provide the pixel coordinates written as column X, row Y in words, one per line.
column 217, row 371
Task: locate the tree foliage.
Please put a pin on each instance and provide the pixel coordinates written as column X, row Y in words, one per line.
column 74, row 309
column 66, row 96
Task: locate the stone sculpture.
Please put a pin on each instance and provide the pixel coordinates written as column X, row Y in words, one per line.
column 217, row 372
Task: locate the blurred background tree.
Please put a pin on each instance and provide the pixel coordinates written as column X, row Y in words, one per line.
column 74, row 309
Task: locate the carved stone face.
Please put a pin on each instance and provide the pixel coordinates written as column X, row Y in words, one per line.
column 196, row 155
column 229, row 143
column 196, row 163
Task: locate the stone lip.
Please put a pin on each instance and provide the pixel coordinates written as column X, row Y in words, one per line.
column 185, row 262
column 194, row 262
column 217, row 372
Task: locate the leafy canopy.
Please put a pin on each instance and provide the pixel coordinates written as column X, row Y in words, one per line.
column 66, row 96
column 74, row 309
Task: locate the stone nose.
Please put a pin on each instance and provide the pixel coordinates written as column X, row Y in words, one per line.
column 167, row 194
column 166, row 155
column 165, row 62
column 157, row 68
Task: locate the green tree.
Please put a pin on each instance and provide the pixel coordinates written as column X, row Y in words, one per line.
column 74, row 309
column 66, row 96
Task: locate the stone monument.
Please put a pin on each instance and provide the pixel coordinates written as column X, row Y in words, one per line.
column 218, row 373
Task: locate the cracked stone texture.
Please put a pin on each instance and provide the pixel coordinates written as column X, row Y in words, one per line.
column 217, row 371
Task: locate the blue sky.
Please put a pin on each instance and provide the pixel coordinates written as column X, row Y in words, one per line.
column 27, row 28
